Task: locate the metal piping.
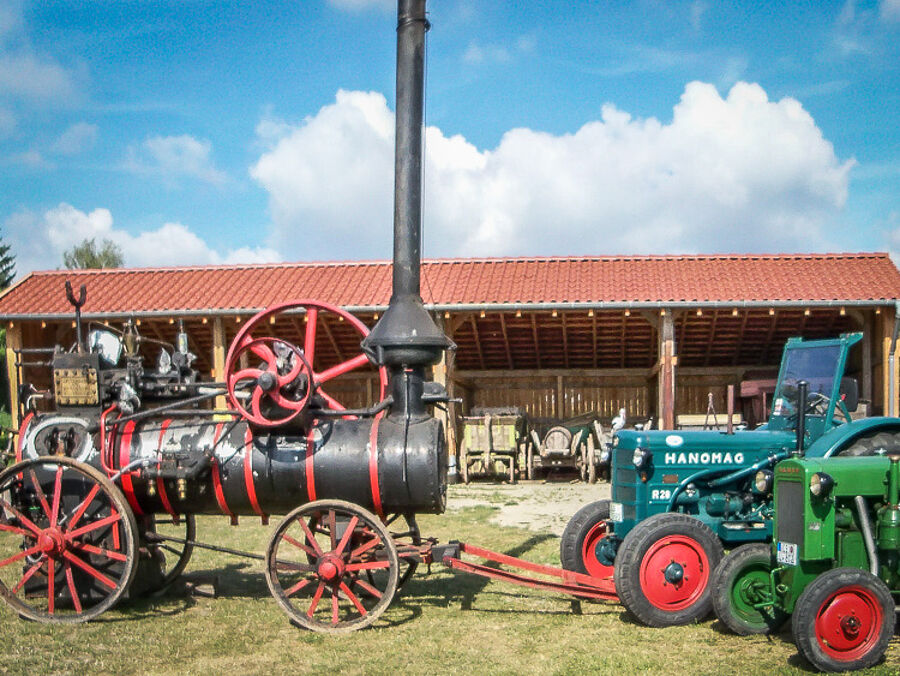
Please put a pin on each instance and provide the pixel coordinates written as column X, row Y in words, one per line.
column 868, row 538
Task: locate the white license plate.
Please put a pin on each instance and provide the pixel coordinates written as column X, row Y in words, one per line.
column 615, row 511
column 787, row 553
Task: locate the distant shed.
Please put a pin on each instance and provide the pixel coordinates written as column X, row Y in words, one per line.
column 555, row 336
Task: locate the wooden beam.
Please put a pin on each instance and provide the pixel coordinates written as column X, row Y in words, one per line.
column 594, row 338
column 218, row 357
column 768, row 345
column 322, row 324
column 565, row 340
column 537, row 345
column 560, row 398
column 666, row 378
column 509, row 359
column 741, row 333
column 13, row 343
column 712, row 336
column 477, row 340
column 867, row 359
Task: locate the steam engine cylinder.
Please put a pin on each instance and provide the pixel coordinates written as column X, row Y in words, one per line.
column 203, row 467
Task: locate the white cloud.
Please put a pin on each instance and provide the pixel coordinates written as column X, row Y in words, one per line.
column 77, row 138
column 697, row 10
column 29, row 77
column 740, row 173
column 358, row 5
column 40, row 240
column 889, row 10
column 176, row 157
column 32, row 159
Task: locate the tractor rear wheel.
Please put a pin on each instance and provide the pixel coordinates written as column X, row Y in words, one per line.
column 879, row 443
column 585, row 530
column 844, row 620
column 740, row 583
column 664, row 567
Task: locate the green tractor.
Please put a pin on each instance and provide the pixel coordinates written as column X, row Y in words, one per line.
column 681, row 498
column 833, row 567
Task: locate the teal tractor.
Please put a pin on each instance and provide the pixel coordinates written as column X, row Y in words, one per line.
column 680, row 498
column 833, row 567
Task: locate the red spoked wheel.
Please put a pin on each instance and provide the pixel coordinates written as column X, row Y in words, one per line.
column 663, row 569
column 844, row 620
column 67, row 541
column 332, row 566
column 283, row 383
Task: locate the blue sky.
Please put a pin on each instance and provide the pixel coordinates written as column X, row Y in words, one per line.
column 194, row 132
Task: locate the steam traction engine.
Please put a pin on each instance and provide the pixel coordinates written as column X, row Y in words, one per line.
column 81, row 510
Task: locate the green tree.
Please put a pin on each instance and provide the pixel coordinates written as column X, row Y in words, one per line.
column 7, row 265
column 87, row 255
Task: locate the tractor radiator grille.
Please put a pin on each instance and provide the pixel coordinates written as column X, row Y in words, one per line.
column 789, row 510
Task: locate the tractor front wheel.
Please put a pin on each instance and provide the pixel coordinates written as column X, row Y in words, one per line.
column 664, row 567
column 740, row 585
column 578, row 545
column 844, row 620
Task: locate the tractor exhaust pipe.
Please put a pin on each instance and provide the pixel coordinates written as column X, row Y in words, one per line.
column 406, row 336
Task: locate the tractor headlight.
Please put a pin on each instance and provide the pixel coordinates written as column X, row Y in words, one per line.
column 763, row 481
column 820, row 484
column 641, row 457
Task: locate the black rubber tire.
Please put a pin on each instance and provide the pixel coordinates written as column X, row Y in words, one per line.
column 888, row 442
column 578, row 528
column 748, row 559
column 818, row 594
column 630, row 560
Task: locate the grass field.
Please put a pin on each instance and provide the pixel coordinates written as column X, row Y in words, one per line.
column 444, row 623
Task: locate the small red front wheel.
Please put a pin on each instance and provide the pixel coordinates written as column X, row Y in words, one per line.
column 664, row 567
column 844, row 620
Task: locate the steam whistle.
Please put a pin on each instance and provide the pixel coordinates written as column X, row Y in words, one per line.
column 82, row 296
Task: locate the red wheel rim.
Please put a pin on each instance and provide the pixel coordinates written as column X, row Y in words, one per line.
column 244, row 338
column 848, row 623
column 660, row 568
column 589, row 552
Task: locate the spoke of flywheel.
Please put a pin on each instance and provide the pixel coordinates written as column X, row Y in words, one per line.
column 27, row 576
column 335, row 608
column 20, row 555
column 15, row 529
column 71, row 583
column 57, row 494
column 105, row 521
column 315, row 600
column 249, row 374
column 79, row 511
column 332, row 402
column 40, row 492
column 264, row 352
column 309, row 337
column 347, row 533
column 354, row 599
column 88, row 568
column 342, row 368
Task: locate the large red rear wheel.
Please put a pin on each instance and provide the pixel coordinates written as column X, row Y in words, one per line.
column 844, row 620
column 279, row 379
column 68, row 545
column 663, row 569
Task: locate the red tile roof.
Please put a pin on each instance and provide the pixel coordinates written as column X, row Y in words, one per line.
column 868, row 278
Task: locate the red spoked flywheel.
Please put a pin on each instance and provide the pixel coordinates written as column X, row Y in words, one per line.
column 279, row 378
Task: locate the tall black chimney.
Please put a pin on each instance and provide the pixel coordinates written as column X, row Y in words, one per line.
column 406, row 336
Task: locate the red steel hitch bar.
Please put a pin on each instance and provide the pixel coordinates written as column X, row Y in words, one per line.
column 574, row 584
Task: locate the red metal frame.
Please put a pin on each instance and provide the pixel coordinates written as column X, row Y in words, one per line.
column 572, row 583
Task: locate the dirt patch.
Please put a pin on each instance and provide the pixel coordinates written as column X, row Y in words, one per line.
column 537, row 506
